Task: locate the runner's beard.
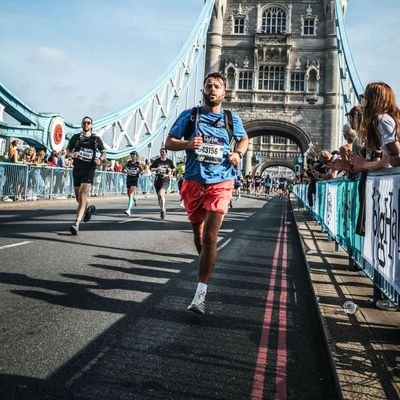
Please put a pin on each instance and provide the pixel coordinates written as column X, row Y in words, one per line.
column 212, row 103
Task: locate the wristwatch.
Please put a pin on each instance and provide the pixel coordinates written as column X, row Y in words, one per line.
column 240, row 154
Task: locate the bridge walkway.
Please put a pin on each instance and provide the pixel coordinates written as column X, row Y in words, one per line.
column 365, row 346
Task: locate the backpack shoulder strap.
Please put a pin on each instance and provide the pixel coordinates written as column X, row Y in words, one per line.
column 94, row 142
column 191, row 125
column 75, row 140
column 195, row 116
column 228, row 119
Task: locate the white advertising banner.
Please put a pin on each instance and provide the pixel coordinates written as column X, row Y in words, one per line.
column 382, row 228
column 330, row 208
column 316, row 202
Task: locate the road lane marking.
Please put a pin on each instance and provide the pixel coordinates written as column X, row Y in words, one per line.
column 88, row 366
column 130, row 220
column 281, row 358
column 14, row 245
column 224, row 244
column 257, row 392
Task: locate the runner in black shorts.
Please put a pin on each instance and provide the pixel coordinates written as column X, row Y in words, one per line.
column 238, row 183
column 83, row 148
column 163, row 168
column 133, row 170
column 282, row 187
column 258, row 180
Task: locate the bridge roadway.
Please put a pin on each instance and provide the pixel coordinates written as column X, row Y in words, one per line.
column 103, row 315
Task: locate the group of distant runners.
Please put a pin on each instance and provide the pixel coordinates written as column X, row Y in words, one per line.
column 261, row 185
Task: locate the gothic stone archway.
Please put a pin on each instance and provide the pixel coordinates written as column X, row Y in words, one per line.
column 264, row 165
column 281, row 128
column 269, row 127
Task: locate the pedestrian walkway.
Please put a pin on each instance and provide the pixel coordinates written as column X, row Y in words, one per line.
column 366, row 345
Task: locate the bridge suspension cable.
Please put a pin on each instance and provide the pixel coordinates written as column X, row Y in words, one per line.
column 351, row 85
column 133, row 126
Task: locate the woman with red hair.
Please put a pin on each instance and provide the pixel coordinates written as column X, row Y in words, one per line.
column 380, row 127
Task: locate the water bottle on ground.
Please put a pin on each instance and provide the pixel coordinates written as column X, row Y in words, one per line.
column 350, row 307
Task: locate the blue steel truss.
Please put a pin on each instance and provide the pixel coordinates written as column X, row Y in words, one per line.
column 351, row 85
column 135, row 125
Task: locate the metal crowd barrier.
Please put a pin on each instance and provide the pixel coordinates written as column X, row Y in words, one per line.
column 19, row 182
column 336, row 208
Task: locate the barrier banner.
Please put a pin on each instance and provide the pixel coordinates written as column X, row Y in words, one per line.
column 317, row 196
column 382, row 228
column 330, row 218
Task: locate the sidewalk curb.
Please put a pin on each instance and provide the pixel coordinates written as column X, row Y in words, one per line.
column 324, row 328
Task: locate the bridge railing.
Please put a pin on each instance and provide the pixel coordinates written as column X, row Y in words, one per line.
column 336, row 208
column 19, row 182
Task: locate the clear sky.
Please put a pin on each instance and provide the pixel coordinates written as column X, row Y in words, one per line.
column 373, row 30
column 81, row 57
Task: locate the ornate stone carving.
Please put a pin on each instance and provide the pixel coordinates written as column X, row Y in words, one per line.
column 270, row 40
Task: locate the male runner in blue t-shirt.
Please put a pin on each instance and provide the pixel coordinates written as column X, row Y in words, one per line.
column 211, row 168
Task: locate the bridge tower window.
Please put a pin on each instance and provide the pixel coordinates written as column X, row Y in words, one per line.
column 309, row 23
column 271, row 77
column 274, row 20
column 297, row 82
column 309, row 27
column 279, row 139
column 265, row 139
column 239, row 25
column 245, row 80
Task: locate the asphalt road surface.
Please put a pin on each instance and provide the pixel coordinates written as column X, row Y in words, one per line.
column 102, row 315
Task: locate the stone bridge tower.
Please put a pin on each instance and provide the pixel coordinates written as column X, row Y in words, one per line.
column 281, row 63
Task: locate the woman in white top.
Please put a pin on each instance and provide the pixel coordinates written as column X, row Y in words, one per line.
column 380, row 127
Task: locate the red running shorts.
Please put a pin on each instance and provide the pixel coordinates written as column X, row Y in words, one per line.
column 199, row 198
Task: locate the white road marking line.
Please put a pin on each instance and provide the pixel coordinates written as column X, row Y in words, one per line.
column 130, row 220
column 14, row 245
column 224, row 244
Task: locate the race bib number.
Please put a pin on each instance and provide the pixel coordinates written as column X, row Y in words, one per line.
column 211, row 151
column 85, row 154
column 133, row 172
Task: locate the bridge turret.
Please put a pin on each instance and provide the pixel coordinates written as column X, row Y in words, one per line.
column 214, row 39
column 331, row 112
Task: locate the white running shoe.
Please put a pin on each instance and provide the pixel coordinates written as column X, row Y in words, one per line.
column 74, row 229
column 198, row 303
column 127, row 212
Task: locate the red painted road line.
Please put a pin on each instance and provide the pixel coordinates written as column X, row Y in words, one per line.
column 281, row 359
column 257, row 391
